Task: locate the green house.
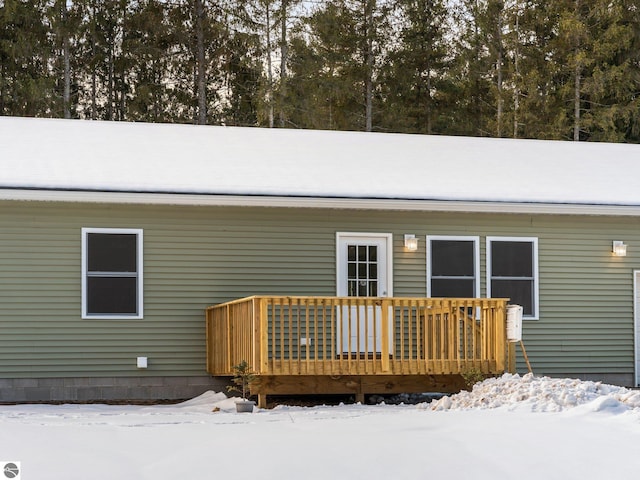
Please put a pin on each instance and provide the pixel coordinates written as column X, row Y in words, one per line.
column 115, row 238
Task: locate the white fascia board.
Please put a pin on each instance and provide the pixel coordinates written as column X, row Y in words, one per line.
column 316, row 202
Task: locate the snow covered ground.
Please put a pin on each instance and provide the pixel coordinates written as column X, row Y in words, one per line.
column 510, row 427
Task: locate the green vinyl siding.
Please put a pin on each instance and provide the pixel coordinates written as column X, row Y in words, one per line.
column 198, row 256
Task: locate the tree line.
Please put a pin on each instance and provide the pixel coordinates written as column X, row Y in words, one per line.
column 559, row 69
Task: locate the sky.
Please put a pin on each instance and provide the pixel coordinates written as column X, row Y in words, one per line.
column 509, row 427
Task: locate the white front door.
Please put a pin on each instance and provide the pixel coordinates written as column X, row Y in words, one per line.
column 363, row 270
column 636, row 325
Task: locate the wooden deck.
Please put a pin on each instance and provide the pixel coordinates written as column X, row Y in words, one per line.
column 310, row 345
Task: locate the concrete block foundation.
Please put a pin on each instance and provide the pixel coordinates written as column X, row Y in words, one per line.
column 106, row 389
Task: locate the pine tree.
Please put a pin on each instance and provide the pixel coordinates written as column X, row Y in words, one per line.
column 26, row 51
column 415, row 76
column 609, row 92
column 320, row 88
column 470, row 97
column 147, row 48
column 243, row 67
column 63, row 24
column 336, row 60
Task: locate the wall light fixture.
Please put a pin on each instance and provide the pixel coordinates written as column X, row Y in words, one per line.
column 619, row 248
column 410, row 242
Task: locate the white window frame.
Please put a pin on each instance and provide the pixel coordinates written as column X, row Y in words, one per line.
column 536, row 275
column 341, row 264
column 139, row 272
column 476, row 260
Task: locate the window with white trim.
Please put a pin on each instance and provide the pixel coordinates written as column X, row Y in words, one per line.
column 453, row 266
column 512, row 271
column 111, row 273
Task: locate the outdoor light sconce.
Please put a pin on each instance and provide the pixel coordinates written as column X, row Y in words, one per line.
column 410, row 242
column 619, row 248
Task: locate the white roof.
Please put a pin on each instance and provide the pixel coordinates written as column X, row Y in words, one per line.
column 74, row 155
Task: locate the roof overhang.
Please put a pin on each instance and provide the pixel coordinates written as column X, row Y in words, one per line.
column 381, row 204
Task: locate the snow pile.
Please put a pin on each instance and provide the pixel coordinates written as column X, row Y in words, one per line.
column 207, row 399
column 539, row 394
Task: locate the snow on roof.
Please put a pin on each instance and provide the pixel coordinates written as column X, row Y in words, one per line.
column 210, row 160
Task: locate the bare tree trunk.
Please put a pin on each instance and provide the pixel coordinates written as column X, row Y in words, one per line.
column 576, row 86
column 500, row 102
column 576, row 104
column 94, row 103
column 194, row 74
column 516, row 90
column 123, row 97
column 475, row 101
column 2, row 83
column 66, row 93
column 123, row 81
column 368, row 18
column 111, row 40
column 110, row 82
column 200, row 61
column 156, row 99
column 284, row 51
column 499, row 72
column 269, row 67
column 428, row 97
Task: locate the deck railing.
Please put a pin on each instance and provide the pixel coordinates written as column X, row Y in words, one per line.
column 357, row 335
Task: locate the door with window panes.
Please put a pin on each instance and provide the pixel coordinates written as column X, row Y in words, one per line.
column 362, row 272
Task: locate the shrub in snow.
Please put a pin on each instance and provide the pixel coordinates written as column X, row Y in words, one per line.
column 242, row 379
column 471, row 376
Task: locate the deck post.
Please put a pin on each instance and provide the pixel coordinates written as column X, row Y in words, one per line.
column 501, row 345
column 511, row 355
column 384, row 350
column 230, row 333
column 208, row 338
column 263, row 364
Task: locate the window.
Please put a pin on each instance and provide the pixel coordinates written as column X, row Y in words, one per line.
column 453, row 266
column 512, row 271
column 362, row 266
column 111, row 273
